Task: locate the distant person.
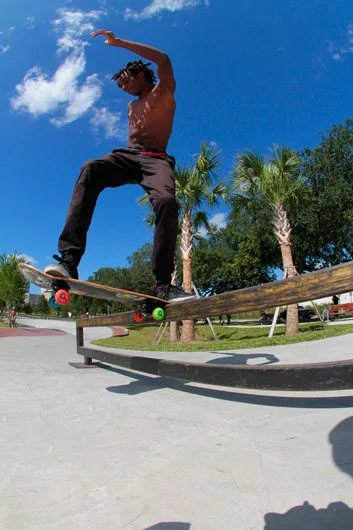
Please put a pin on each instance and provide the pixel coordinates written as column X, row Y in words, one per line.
column 13, row 317
column 335, row 300
column 263, row 317
column 144, row 161
column 228, row 319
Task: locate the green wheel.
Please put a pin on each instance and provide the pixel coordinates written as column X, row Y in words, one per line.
column 158, row 313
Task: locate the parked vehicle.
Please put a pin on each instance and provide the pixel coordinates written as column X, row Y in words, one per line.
column 304, row 313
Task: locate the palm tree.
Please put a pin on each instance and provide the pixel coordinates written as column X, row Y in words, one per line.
column 277, row 182
column 197, row 187
column 150, row 219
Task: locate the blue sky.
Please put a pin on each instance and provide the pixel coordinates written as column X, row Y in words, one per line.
column 250, row 73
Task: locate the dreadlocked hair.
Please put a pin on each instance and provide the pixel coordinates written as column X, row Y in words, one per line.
column 137, row 66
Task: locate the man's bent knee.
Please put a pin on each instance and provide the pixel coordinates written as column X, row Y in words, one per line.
column 165, row 203
column 89, row 165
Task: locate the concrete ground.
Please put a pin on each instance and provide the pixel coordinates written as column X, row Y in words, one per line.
column 107, row 448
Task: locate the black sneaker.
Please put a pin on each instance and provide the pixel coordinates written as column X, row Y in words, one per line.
column 66, row 267
column 173, row 293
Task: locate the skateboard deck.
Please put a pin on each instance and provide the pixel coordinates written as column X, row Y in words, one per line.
column 70, row 285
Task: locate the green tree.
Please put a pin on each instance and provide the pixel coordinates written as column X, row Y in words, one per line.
column 323, row 227
column 136, row 277
column 13, row 286
column 142, row 279
column 28, row 309
column 43, row 306
column 276, row 183
column 233, row 257
column 78, row 305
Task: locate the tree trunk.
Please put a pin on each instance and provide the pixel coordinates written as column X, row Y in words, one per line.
column 283, row 231
column 188, row 331
column 174, row 334
column 292, row 321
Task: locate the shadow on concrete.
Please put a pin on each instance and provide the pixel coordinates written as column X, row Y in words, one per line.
column 242, row 359
column 337, row 515
column 144, row 383
column 169, row 526
column 341, row 439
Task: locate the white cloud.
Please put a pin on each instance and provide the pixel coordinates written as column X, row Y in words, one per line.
column 80, row 100
column 110, row 123
column 218, row 220
column 66, row 92
column 29, row 259
column 72, row 26
column 38, row 94
column 4, row 49
column 338, row 52
column 30, row 22
column 157, row 6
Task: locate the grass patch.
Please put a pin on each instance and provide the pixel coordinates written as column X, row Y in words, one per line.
column 230, row 338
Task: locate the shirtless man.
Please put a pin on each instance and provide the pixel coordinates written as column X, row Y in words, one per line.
column 144, row 161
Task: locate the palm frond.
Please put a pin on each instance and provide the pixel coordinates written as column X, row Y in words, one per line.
column 150, row 219
column 206, row 164
column 143, row 200
column 216, row 195
column 200, row 220
column 250, row 165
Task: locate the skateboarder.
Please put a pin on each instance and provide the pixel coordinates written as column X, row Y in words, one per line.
column 13, row 317
column 144, row 161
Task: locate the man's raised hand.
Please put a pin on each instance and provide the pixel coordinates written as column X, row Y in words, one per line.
column 111, row 40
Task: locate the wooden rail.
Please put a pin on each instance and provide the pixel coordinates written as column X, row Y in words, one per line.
column 311, row 286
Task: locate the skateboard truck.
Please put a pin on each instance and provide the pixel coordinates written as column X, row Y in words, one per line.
column 149, row 308
column 61, row 294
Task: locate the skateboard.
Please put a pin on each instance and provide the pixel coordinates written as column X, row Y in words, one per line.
column 62, row 287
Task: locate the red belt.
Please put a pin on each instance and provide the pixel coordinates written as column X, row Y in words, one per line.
column 154, row 153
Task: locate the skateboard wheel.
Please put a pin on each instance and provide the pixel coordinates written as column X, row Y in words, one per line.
column 53, row 303
column 158, row 313
column 62, row 297
column 138, row 317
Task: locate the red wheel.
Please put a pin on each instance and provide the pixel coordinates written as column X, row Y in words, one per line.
column 62, row 297
column 138, row 317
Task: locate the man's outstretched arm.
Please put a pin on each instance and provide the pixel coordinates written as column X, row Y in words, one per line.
column 164, row 65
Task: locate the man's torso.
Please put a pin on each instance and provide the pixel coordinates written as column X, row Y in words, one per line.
column 151, row 120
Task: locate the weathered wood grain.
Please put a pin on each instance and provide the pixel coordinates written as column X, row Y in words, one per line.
column 318, row 284
column 326, row 282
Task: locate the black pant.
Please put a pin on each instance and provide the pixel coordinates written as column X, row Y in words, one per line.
column 126, row 166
